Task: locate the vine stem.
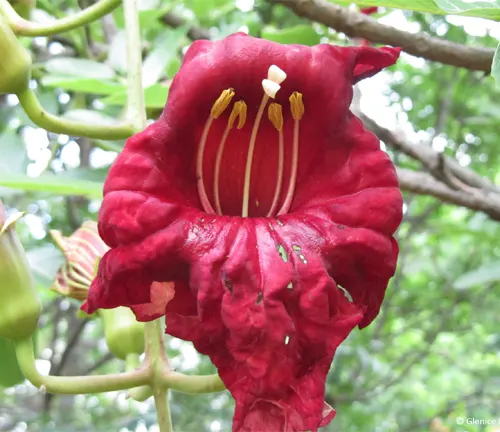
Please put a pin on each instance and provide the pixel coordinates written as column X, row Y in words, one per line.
column 52, row 123
column 77, row 384
column 136, row 108
column 22, row 27
column 136, row 113
column 157, row 361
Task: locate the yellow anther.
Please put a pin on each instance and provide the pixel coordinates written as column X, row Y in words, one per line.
column 239, row 112
column 275, row 114
column 296, row 105
column 221, row 103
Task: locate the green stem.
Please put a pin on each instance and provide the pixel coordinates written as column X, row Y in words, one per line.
column 188, row 384
column 136, row 113
column 191, row 384
column 136, row 108
column 157, row 360
column 78, row 384
column 132, row 362
column 162, row 409
column 52, row 123
column 108, row 146
column 23, row 27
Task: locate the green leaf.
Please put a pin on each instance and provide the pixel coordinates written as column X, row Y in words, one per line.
column 14, row 159
column 164, row 52
column 204, row 9
column 45, row 261
column 82, row 85
column 300, row 34
column 10, row 373
column 52, row 184
column 483, row 275
column 458, row 6
column 491, row 11
column 76, row 67
column 155, row 97
column 94, row 174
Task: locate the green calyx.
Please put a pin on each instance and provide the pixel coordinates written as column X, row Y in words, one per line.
column 20, row 305
column 124, row 335
column 15, row 67
column 23, row 7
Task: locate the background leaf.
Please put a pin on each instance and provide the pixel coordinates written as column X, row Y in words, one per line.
column 432, row 6
column 45, row 261
column 77, row 67
column 481, row 276
column 10, row 373
column 52, row 184
column 13, row 153
column 300, row 34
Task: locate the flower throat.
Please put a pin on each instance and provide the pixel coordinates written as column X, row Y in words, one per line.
column 280, row 203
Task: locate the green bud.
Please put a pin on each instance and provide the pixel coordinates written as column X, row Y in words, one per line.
column 124, row 334
column 23, row 7
column 15, row 67
column 20, row 305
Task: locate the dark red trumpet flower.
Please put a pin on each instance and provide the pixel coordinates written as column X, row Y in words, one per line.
column 260, row 195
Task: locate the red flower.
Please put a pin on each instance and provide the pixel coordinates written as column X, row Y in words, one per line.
column 259, row 294
column 369, row 10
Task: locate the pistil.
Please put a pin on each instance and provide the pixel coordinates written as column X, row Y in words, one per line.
column 239, row 112
column 271, row 85
column 297, row 109
column 276, row 116
column 217, row 109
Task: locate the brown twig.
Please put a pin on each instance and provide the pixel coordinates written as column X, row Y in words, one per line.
column 425, row 184
column 357, row 25
column 428, row 156
column 194, row 33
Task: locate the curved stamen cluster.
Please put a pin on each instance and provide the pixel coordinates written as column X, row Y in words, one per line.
column 271, row 85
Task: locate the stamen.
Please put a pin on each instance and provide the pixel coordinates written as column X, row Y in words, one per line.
column 276, row 116
column 221, row 103
column 217, row 109
column 276, row 74
column 296, row 105
column 269, row 91
column 239, row 112
column 297, row 109
column 270, row 87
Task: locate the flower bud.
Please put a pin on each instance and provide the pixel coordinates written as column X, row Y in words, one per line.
column 124, row 335
column 82, row 251
column 20, row 305
column 15, row 67
column 23, row 7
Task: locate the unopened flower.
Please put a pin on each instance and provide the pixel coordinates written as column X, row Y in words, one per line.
column 82, row 250
column 260, row 195
column 15, row 67
column 20, row 305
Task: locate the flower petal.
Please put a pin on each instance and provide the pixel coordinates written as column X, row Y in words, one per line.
column 261, row 296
